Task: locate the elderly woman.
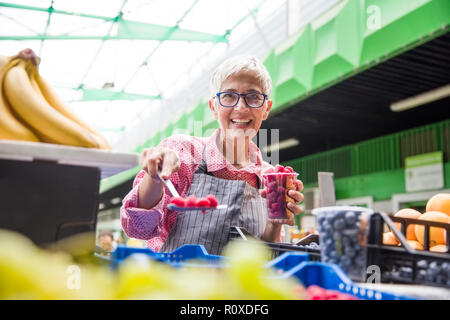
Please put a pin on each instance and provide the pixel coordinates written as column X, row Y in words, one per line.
column 227, row 165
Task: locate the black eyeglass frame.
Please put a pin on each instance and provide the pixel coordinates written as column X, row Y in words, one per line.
column 239, row 98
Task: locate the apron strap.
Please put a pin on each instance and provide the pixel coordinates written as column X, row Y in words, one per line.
column 202, row 168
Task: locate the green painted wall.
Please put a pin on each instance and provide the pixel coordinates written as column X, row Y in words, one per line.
column 380, row 185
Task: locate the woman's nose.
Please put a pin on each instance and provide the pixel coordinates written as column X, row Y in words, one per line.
column 242, row 105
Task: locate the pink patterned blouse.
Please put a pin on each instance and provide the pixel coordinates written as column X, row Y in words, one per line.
column 154, row 225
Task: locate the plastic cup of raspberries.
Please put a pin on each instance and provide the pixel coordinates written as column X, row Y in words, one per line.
column 343, row 232
column 277, row 182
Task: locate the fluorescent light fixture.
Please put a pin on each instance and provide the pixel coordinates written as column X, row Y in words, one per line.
column 289, row 143
column 421, row 99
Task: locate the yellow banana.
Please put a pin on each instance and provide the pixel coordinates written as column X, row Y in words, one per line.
column 10, row 127
column 47, row 123
column 3, row 61
column 56, row 102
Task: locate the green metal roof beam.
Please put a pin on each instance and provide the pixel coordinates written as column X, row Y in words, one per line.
column 23, row 7
column 105, row 94
column 140, row 31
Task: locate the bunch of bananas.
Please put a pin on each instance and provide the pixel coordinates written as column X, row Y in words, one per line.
column 30, row 110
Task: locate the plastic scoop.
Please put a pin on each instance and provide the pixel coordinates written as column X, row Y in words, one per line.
column 171, row 206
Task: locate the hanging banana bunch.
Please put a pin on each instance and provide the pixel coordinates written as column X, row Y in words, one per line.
column 30, row 110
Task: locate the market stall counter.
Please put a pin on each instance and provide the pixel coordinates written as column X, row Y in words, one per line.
column 50, row 192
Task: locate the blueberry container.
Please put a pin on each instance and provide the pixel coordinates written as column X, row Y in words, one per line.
column 277, row 185
column 343, row 234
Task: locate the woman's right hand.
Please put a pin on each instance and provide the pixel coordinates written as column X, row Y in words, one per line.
column 165, row 159
column 152, row 159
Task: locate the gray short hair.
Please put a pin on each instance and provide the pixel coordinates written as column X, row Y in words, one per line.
column 237, row 64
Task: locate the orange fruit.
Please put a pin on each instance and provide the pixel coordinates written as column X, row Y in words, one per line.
column 389, row 239
column 410, row 214
column 439, row 248
column 437, row 235
column 439, row 202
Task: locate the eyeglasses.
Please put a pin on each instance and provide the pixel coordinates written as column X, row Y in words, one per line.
column 231, row 99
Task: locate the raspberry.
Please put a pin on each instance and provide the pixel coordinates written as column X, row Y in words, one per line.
column 279, row 169
column 288, row 169
column 203, row 202
column 191, row 201
column 178, row 201
column 316, row 292
column 212, row 201
column 281, row 190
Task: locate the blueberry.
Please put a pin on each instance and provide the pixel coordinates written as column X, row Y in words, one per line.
column 433, row 271
column 406, row 271
column 329, row 242
column 331, row 261
column 325, row 227
column 314, row 245
column 350, row 252
column 352, row 234
column 339, row 224
column 422, row 275
column 330, row 220
column 422, row 264
column 434, row 265
column 321, row 219
column 346, row 241
column 337, row 236
column 350, row 218
column 333, row 254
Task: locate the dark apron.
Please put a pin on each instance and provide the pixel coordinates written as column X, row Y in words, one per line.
column 246, row 209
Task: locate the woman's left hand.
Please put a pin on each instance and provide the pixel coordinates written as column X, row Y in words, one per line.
column 297, row 196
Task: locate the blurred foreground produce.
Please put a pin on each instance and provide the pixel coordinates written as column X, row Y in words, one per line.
column 32, row 111
column 29, row 272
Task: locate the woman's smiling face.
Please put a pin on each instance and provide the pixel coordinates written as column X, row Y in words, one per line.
column 234, row 121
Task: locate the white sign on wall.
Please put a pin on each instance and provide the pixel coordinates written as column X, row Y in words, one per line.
column 424, row 172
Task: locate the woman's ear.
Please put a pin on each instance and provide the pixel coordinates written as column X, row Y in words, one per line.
column 267, row 111
column 213, row 109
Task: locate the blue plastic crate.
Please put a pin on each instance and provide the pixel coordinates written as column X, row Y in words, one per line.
column 177, row 258
column 332, row 277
